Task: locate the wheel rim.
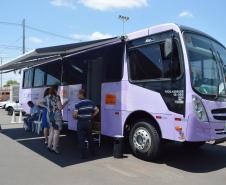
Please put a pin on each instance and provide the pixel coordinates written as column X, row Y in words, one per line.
column 142, row 139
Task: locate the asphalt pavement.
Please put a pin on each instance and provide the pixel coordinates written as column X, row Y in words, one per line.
column 24, row 160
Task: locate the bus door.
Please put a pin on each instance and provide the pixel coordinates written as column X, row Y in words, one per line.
column 73, row 91
column 64, row 95
column 94, row 80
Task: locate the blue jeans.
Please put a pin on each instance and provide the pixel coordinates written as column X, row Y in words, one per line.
column 28, row 121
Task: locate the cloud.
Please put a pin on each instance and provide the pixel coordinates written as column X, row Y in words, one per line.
column 186, row 14
column 35, row 40
column 98, row 35
column 94, row 36
column 104, row 5
column 64, row 3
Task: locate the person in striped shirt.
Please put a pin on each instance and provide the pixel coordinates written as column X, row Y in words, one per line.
column 84, row 111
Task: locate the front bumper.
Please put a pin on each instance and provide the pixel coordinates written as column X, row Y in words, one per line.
column 205, row 131
column 218, row 141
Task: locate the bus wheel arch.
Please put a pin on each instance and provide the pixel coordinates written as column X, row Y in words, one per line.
column 140, row 115
column 143, row 135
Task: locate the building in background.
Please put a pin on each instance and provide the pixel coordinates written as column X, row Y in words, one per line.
column 4, row 93
column 9, row 93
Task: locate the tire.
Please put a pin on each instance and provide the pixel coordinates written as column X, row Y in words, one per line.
column 193, row 145
column 10, row 111
column 145, row 140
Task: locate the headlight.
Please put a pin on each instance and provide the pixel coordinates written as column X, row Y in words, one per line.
column 199, row 109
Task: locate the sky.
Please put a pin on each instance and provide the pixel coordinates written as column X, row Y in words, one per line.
column 82, row 20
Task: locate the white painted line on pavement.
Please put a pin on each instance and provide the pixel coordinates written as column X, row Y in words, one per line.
column 34, row 138
column 124, row 173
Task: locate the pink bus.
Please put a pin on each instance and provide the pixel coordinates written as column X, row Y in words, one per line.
column 166, row 82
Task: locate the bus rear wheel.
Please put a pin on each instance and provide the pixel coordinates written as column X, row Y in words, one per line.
column 145, row 140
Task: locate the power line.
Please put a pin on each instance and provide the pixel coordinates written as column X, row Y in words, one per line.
column 38, row 30
column 10, row 23
column 50, row 33
column 8, row 46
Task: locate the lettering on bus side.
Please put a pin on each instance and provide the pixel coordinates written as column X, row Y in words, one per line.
column 178, row 94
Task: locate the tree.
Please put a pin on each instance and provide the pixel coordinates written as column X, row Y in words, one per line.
column 11, row 82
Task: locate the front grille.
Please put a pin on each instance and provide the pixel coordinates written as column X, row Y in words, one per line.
column 219, row 114
column 221, row 118
column 219, row 111
column 220, row 131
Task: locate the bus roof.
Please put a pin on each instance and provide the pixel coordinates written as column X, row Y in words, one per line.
column 164, row 27
column 192, row 30
column 48, row 54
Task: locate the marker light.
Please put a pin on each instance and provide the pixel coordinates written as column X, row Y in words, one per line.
column 178, row 128
column 110, row 99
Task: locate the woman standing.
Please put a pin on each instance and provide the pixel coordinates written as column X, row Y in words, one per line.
column 54, row 117
column 45, row 123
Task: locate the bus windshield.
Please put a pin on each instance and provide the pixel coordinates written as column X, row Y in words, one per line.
column 207, row 59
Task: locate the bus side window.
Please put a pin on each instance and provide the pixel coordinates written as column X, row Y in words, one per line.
column 148, row 63
column 27, row 78
column 113, row 63
column 171, row 69
column 53, row 71
column 39, row 77
column 75, row 70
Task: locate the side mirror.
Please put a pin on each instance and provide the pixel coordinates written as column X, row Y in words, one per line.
column 17, row 101
column 168, row 47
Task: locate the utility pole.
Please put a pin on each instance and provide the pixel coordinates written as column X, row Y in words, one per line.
column 23, row 25
column 123, row 19
column 1, row 73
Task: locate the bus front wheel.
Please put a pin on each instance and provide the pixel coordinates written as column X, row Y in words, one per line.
column 145, row 140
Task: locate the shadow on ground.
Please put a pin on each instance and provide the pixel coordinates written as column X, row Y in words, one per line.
column 68, row 146
column 206, row 159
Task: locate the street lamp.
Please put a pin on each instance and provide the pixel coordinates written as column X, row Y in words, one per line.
column 123, row 19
